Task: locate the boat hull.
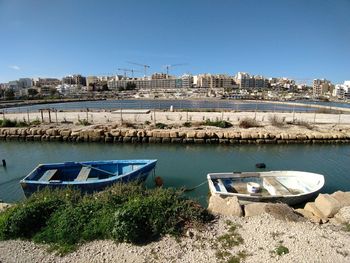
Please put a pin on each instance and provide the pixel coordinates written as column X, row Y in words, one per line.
column 216, row 182
column 140, row 175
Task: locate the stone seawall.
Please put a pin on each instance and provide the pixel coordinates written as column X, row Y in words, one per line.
column 123, row 135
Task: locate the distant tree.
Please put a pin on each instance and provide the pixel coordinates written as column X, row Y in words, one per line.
column 9, row 94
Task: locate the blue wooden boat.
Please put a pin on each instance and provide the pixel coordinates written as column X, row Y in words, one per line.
column 88, row 176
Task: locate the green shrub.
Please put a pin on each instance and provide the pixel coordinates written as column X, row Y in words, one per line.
column 221, row 124
column 147, row 122
column 281, row 250
column 35, row 122
column 161, row 211
column 84, row 122
column 28, row 218
column 187, row 124
column 8, row 123
column 160, row 125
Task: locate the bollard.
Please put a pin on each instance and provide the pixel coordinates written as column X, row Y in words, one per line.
column 3, row 162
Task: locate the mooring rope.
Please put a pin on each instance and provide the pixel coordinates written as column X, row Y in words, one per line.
column 194, row 188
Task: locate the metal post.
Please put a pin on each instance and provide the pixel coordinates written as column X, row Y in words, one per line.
column 56, row 116
column 28, row 115
column 49, row 115
column 87, row 114
column 42, row 115
column 315, row 118
column 121, row 115
column 256, row 108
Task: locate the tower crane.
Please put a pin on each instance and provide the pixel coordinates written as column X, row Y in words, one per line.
column 171, row 66
column 128, row 70
column 142, row 65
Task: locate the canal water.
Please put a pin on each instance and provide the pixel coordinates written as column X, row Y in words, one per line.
column 179, row 165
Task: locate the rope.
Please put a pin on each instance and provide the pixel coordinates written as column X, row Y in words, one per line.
column 194, row 188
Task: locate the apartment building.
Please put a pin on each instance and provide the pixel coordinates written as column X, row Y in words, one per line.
column 74, row 80
column 322, row 87
column 247, row 81
column 213, row 81
column 46, row 82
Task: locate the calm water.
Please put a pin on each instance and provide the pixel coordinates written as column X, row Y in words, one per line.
column 237, row 105
column 179, row 165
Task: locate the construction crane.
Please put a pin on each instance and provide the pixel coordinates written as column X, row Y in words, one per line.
column 171, row 66
column 142, row 65
column 128, row 70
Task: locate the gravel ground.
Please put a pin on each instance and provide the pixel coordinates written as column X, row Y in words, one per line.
column 261, row 235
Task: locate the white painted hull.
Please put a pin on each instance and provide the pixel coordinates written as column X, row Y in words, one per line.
column 307, row 184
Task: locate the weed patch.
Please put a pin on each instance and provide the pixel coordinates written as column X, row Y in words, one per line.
column 248, row 123
column 220, row 124
column 281, row 250
column 276, row 121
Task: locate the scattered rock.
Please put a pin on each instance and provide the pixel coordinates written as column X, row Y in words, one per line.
column 327, row 204
column 342, row 197
column 311, row 207
column 309, row 215
column 228, row 206
column 343, row 215
column 4, row 206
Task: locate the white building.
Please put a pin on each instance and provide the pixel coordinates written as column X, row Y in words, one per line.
column 342, row 90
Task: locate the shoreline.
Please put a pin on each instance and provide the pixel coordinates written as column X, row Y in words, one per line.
column 181, row 127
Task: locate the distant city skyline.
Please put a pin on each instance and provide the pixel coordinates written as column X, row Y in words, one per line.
column 293, row 38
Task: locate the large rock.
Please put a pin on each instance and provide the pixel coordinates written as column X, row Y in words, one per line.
column 311, row 207
column 254, row 209
column 309, row 215
column 283, row 212
column 342, row 197
column 4, row 206
column 327, row 204
column 343, row 215
column 228, row 206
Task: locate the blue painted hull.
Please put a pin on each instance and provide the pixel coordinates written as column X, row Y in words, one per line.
column 97, row 175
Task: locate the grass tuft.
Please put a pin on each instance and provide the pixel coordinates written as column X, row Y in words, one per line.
column 248, row 123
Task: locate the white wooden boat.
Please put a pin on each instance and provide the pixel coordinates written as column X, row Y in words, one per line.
column 290, row 187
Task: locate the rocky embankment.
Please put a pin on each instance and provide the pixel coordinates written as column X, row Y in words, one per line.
column 327, row 208
column 201, row 135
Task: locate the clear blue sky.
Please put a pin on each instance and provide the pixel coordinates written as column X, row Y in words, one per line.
column 292, row 38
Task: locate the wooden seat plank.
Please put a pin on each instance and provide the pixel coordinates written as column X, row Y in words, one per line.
column 48, row 175
column 83, row 174
column 274, row 187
